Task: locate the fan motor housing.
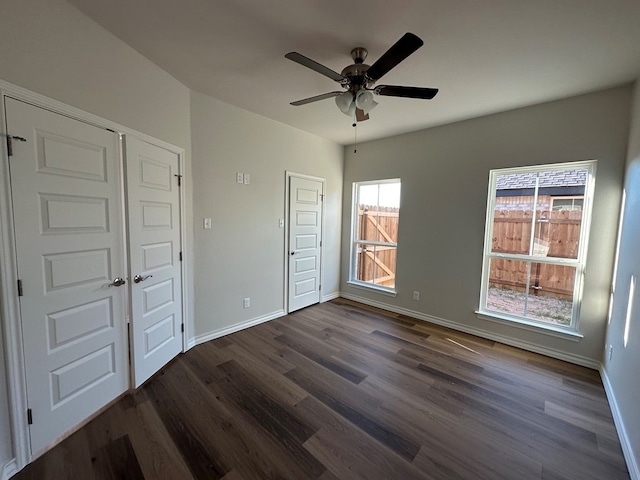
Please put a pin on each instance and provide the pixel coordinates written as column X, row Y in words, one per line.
column 356, row 71
column 356, row 75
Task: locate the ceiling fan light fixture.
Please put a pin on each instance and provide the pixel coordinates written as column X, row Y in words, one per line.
column 365, row 101
column 345, row 103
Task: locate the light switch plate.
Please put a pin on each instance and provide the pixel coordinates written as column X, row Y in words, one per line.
column 207, row 223
column 247, row 179
column 239, row 177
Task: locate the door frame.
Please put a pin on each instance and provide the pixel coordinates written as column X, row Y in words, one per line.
column 288, row 175
column 11, row 321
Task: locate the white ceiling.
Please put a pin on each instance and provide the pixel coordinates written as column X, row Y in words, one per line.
column 485, row 56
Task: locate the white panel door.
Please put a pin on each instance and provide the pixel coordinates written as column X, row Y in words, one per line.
column 153, row 201
column 66, row 193
column 305, row 236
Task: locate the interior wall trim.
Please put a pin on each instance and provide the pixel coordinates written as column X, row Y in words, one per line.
column 330, row 296
column 627, row 449
column 237, row 327
column 549, row 352
column 9, row 469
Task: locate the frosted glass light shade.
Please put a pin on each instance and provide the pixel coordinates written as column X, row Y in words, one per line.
column 345, row 103
column 365, row 101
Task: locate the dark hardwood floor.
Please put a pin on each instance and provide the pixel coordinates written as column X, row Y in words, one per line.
column 343, row 391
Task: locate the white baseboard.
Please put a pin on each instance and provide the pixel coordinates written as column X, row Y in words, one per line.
column 532, row 347
column 627, row 449
column 330, row 296
column 235, row 328
column 9, row 469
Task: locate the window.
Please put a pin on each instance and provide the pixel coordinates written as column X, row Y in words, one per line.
column 535, row 244
column 376, row 211
column 567, row 203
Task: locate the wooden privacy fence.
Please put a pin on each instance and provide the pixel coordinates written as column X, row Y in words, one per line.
column 556, row 234
column 377, row 264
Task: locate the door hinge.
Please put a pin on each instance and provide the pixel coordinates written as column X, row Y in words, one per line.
column 179, row 177
column 182, row 327
column 322, row 197
column 29, row 416
column 180, row 256
column 10, row 139
column 320, row 242
column 319, row 287
column 19, row 287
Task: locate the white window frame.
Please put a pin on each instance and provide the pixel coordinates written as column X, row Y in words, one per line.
column 571, row 330
column 353, row 260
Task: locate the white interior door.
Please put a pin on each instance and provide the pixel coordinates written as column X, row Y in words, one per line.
column 66, row 193
column 153, row 201
column 305, row 241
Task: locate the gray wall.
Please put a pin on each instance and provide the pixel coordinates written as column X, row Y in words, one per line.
column 444, row 174
column 49, row 47
column 622, row 370
column 243, row 255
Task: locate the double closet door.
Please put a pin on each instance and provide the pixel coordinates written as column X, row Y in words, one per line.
column 98, row 256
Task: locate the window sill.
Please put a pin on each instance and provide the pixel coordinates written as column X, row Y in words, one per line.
column 531, row 326
column 374, row 288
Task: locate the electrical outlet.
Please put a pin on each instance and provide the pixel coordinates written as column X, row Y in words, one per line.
column 239, row 177
column 247, row 302
column 416, row 295
column 207, row 223
column 247, row 179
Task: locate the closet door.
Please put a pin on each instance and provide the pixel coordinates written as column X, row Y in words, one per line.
column 66, row 194
column 153, row 204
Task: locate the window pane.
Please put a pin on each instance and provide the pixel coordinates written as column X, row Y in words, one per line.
column 378, row 212
column 376, row 265
column 548, row 299
column 507, row 286
column 513, row 213
column 551, row 293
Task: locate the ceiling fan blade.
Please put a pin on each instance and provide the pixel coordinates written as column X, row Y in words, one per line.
column 361, row 116
column 407, row 92
column 315, row 66
column 400, row 50
column 315, row 99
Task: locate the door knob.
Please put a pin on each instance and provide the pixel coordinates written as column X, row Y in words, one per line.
column 293, row 253
column 117, row 282
column 141, row 278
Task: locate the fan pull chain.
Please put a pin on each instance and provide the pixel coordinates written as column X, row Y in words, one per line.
column 355, row 137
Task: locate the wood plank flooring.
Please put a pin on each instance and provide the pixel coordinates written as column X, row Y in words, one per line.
column 344, row 391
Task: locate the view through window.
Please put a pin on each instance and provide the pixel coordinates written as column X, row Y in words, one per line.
column 534, row 246
column 376, row 212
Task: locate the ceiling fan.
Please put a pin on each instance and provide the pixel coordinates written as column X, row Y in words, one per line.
column 359, row 78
